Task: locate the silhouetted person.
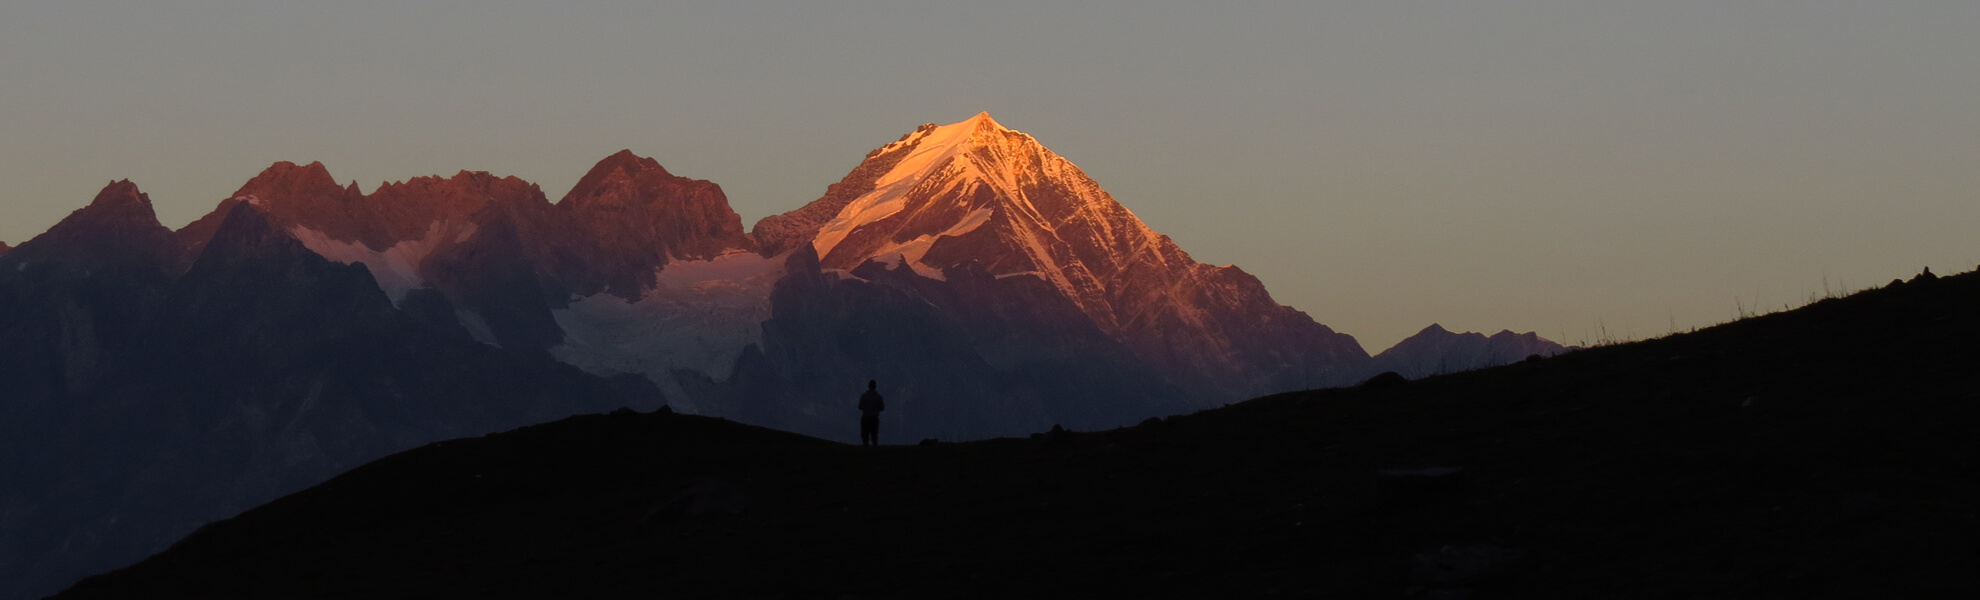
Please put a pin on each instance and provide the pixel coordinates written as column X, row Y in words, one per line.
column 870, row 405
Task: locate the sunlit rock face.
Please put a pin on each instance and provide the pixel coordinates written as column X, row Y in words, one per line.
column 977, row 192
column 641, row 217
column 515, row 269
column 626, row 218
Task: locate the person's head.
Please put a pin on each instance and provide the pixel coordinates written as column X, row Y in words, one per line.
column 872, row 383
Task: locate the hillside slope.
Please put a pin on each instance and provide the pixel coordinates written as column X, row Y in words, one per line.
column 1826, row 451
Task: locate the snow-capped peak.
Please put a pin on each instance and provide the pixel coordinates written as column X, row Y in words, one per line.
column 976, row 178
column 930, row 149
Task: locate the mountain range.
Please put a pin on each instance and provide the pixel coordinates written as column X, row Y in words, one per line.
column 152, row 380
column 1437, row 351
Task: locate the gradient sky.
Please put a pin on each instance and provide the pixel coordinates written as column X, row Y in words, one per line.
column 1567, row 167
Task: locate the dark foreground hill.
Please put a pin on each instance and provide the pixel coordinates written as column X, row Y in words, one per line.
column 1825, row 452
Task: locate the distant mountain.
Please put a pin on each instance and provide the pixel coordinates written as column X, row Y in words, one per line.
column 4, row 248
column 1436, row 351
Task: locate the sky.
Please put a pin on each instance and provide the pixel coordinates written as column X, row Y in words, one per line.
column 1586, row 170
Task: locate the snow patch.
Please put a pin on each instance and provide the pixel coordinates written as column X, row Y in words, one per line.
column 699, row 316
column 928, row 154
column 940, row 163
column 894, row 260
column 913, row 250
column 397, row 268
column 476, row 326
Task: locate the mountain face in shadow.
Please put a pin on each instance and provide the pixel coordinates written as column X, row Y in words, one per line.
column 967, row 357
column 1820, row 452
column 158, row 379
column 142, row 401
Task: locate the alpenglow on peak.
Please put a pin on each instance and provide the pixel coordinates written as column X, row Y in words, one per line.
column 973, row 202
column 941, row 182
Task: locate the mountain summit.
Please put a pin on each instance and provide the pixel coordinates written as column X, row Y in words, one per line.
column 978, row 192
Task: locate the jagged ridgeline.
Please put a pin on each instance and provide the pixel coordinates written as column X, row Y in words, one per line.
column 152, row 380
column 991, row 284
